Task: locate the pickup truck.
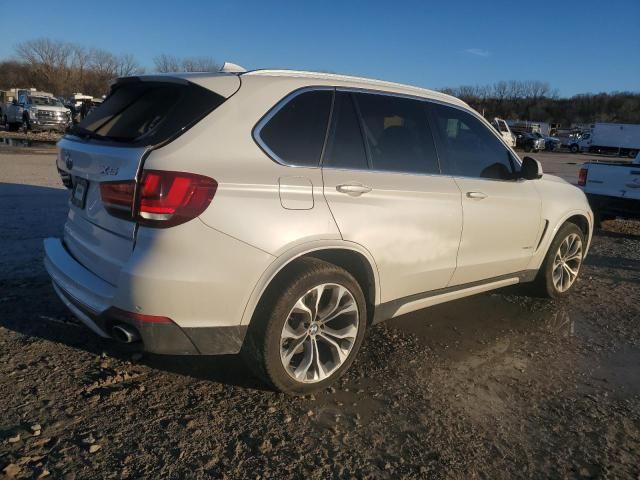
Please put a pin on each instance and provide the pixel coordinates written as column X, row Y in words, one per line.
column 613, row 189
column 34, row 110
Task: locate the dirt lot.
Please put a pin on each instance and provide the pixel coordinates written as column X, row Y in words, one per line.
column 494, row 386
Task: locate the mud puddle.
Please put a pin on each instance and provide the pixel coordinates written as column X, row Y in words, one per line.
column 456, row 329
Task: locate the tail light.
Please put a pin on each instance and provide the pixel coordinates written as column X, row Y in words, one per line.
column 582, row 177
column 117, row 197
column 164, row 199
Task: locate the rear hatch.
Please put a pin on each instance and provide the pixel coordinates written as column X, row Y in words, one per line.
column 110, row 145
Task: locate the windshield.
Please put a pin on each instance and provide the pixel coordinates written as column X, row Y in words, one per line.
column 45, row 101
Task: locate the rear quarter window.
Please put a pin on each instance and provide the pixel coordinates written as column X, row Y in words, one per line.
column 148, row 113
column 295, row 133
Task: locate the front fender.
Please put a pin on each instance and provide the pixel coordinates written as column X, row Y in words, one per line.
column 552, row 231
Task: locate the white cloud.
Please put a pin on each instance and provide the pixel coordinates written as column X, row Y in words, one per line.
column 478, row 52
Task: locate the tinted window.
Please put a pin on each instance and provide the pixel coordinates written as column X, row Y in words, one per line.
column 397, row 133
column 296, row 132
column 346, row 148
column 147, row 113
column 467, row 147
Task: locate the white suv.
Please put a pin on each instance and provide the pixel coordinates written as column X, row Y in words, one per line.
column 282, row 213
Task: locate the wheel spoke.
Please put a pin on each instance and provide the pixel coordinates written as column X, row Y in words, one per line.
column 333, row 303
column 319, row 290
column 576, row 256
column 319, row 371
column 348, row 332
column 293, row 348
column 301, row 307
column 342, row 356
column 301, row 371
column 289, row 332
column 351, row 307
column 572, row 273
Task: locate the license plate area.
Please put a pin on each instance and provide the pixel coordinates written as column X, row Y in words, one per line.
column 79, row 192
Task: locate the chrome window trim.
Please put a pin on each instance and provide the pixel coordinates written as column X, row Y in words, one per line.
column 290, row 96
column 257, row 129
column 468, row 110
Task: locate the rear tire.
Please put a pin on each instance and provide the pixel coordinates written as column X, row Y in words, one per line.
column 285, row 337
column 574, row 148
column 562, row 264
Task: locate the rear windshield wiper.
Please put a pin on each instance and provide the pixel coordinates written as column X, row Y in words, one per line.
column 85, row 133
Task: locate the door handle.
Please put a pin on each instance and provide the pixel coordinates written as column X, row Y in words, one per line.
column 477, row 195
column 353, row 189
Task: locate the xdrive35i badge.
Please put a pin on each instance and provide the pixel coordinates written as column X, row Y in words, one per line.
column 68, row 161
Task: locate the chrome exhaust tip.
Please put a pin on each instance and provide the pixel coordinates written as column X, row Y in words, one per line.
column 125, row 334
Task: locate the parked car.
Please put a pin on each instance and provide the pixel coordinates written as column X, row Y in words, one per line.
column 529, row 142
column 551, row 143
column 279, row 214
column 34, row 110
column 613, row 189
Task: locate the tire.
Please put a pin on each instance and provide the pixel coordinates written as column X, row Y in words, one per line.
column 527, row 148
column 545, row 283
column 574, row 148
column 26, row 125
column 266, row 342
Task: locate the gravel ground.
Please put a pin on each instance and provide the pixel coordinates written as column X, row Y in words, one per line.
column 494, row 386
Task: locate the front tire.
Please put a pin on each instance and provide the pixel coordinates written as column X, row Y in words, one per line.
column 562, row 264
column 574, row 149
column 26, row 125
column 307, row 329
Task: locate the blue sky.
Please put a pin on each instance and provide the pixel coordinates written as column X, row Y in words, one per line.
column 577, row 46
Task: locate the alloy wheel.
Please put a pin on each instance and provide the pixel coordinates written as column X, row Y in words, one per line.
column 566, row 263
column 319, row 333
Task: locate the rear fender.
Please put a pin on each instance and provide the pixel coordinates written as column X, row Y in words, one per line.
column 296, row 252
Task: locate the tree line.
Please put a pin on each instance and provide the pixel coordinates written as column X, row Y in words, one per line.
column 64, row 68
column 537, row 101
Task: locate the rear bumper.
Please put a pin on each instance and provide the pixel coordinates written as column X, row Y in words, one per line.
column 91, row 300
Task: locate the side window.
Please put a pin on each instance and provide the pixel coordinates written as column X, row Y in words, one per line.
column 397, row 133
column 345, row 148
column 296, row 132
column 467, row 147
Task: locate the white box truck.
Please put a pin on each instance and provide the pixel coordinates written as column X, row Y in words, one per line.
column 615, row 138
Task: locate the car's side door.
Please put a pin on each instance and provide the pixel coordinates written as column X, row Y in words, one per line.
column 383, row 185
column 502, row 212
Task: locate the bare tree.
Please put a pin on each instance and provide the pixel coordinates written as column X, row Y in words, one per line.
column 49, row 59
column 169, row 63
column 200, row 64
column 166, row 63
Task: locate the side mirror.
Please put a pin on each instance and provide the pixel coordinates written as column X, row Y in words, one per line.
column 531, row 169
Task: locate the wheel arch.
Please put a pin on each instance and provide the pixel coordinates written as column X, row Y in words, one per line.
column 352, row 257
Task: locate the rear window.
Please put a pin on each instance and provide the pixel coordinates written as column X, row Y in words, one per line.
column 147, row 113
